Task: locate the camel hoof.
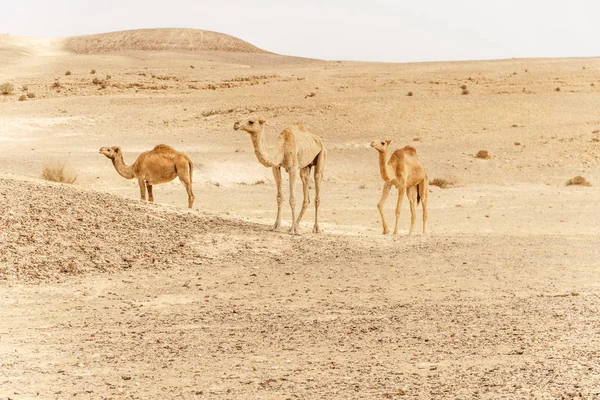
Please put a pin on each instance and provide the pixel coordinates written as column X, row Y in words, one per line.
column 316, row 229
column 386, row 231
column 293, row 231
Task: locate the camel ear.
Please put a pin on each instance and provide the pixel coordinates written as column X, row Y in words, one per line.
column 261, row 121
column 388, row 141
column 116, row 148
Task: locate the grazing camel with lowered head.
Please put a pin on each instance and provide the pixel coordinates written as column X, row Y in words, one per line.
column 159, row 165
column 294, row 150
column 405, row 171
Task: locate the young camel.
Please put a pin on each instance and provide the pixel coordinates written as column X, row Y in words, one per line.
column 295, row 150
column 159, row 165
column 405, row 171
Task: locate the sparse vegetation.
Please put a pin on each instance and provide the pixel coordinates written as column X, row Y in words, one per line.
column 441, row 183
column 465, row 92
column 7, row 88
column 463, row 87
column 579, row 181
column 311, row 94
column 557, row 89
column 22, row 97
column 56, row 84
column 362, row 187
column 409, row 94
column 93, row 71
column 517, row 143
column 24, row 88
column 58, row 172
column 483, row 154
column 31, row 95
column 68, row 73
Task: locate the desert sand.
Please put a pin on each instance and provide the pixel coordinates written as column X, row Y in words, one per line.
column 107, row 297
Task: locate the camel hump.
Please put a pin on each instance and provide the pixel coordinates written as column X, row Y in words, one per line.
column 410, row 150
column 300, row 126
column 163, row 147
column 287, row 133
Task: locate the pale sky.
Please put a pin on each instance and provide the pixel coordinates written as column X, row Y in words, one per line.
column 376, row 30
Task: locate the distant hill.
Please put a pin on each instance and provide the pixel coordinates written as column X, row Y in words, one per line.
column 167, row 39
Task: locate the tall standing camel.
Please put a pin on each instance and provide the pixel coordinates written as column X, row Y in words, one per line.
column 159, row 165
column 295, row 149
column 405, row 171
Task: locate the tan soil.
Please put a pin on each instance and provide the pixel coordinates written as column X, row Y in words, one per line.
column 107, row 297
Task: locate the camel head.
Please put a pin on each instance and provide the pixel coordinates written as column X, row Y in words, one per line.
column 381, row 145
column 252, row 125
column 110, row 152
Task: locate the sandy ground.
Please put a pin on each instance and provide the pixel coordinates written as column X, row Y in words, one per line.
column 107, row 297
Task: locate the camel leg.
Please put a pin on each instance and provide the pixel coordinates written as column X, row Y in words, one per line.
column 386, row 191
column 411, row 193
column 401, row 191
column 142, row 189
column 150, row 195
column 277, row 175
column 319, row 168
column 423, row 191
column 304, row 177
column 292, row 173
column 187, row 182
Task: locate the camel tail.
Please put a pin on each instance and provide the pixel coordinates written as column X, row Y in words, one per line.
column 191, row 166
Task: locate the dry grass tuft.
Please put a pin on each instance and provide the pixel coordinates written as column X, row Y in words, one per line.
column 22, row 97
column 483, row 154
column 362, row 187
column 579, row 181
column 58, row 172
column 465, row 92
column 93, row 71
column 441, row 183
column 7, row 88
column 68, row 73
column 557, row 89
column 31, row 95
column 409, row 94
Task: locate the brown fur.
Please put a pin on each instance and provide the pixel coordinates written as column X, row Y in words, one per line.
column 407, row 174
column 159, row 165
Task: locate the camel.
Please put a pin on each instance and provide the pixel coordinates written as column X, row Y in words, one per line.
column 295, row 150
column 405, row 171
column 159, row 165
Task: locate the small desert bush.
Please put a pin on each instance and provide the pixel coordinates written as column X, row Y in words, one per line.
column 465, row 92
column 68, row 73
column 24, row 88
column 7, row 88
column 56, row 85
column 557, row 89
column 441, row 182
column 22, row 97
column 483, row 154
column 409, row 94
column 31, row 95
column 579, row 181
column 58, row 172
column 463, row 86
column 93, row 71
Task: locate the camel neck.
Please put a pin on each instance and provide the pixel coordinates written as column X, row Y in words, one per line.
column 264, row 154
column 123, row 170
column 385, row 171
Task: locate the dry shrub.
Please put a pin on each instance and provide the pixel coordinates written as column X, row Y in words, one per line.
column 465, row 92
column 409, row 94
column 93, row 71
column 56, row 85
column 31, row 95
column 260, row 182
column 557, row 89
column 22, row 97
column 362, row 187
column 441, row 183
column 463, row 87
column 68, row 73
column 483, row 154
column 7, row 88
column 58, row 172
column 24, row 88
column 579, row 181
